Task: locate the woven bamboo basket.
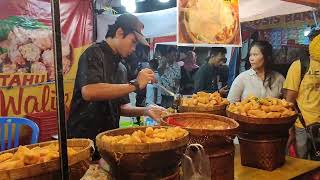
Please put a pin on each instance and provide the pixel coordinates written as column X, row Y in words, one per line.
column 142, row 161
column 222, row 162
column 205, row 137
column 262, row 152
column 84, row 148
column 263, row 125
column 218, row 110
column 218, row 144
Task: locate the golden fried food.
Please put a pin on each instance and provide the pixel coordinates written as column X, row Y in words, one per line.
column 31, row 157
column 5, row 156
column 149, row 136
column 20, row 153
column 14, row 164
column 205, row 124
column 25, row 156
column 263, row 108
column 203, row 99
column 50, row 156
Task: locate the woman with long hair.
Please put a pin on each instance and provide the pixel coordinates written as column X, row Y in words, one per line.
column 260, row 80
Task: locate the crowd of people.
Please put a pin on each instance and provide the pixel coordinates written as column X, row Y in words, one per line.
column 184, row 75
column 104, row 82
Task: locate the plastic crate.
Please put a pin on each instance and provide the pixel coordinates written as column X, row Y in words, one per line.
column 47, row 122
column 46, row 136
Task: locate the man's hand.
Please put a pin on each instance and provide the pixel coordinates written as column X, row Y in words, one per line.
column 144, row 77
column 224, row 91
column 155, row 112
column 292, row 137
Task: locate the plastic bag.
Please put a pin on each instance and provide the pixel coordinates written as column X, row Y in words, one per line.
column 196, row 164
column 154, row 112
column 95, row 173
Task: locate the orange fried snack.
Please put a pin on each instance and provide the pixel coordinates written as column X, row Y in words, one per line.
column 263, row 108
column 149, row 136
column 25, row 156
column 203, row 99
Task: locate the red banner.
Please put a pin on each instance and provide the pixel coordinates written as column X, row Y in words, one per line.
column 26, row 52
column 76, row 16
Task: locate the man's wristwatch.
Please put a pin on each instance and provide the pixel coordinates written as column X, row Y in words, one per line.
column 135, row 84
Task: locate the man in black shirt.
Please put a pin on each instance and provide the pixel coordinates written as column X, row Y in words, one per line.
column 100, row 95
column 205, row 78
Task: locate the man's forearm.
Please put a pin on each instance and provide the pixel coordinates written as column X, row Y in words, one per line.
column 104, row 91
column 132, row 111
column 290, row 95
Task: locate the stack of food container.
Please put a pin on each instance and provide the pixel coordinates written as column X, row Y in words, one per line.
column 264, row 125
column 215, row 133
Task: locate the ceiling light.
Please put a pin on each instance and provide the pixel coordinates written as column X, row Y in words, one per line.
column 307, row 31
column 129, row 5
column 164, row 1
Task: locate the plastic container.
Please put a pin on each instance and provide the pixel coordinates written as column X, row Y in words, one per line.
column 149, row 121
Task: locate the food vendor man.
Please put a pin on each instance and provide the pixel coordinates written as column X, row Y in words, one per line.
column 100, row 96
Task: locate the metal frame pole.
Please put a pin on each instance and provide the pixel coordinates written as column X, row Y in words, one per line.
column 55, row 13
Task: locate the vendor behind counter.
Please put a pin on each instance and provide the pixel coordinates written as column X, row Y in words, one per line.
column 100, row 96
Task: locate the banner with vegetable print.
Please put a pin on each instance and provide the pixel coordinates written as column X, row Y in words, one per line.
column 26, row 52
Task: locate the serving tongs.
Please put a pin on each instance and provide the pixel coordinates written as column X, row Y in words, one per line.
column 176, row 97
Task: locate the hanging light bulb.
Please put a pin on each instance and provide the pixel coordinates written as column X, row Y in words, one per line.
column 130, row 5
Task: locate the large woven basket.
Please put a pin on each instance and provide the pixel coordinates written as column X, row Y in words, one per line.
column 218, row 144
column 267, row 153
column 205, row 137
column 222, row 162
column 263, row 125
column 142, row 161
column 84, row 148
column 218, row 110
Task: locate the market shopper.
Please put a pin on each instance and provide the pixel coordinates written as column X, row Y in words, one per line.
column 188, row 71
column 206, row 78
column 302, row 87
column 260, row 80
column 170, row 75
column 100, row 96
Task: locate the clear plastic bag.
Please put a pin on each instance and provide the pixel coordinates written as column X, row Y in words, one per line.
column 154, row 112
column 196, row 164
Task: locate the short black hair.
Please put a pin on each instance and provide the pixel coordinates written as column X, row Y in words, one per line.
column 216, row 50
column 154, row 63
column 171, row 49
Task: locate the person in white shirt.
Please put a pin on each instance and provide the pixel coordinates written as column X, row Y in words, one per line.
column 259, row 80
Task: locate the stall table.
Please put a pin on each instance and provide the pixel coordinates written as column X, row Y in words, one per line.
column 293, row 168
